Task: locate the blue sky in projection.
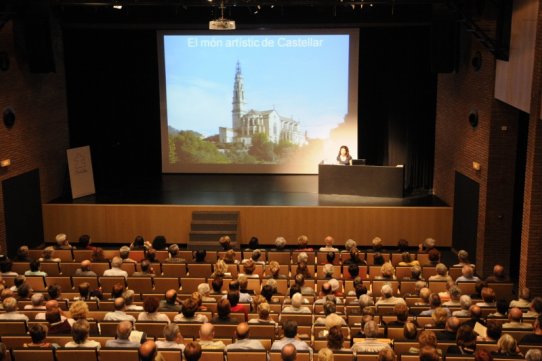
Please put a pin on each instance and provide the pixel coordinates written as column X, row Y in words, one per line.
column 301, row 76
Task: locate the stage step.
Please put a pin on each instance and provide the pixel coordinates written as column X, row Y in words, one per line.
column 207, row 227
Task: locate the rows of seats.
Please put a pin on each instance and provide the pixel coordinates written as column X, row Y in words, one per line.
column 283, row 257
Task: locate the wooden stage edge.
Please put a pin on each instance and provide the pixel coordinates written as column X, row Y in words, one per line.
column 120, row 223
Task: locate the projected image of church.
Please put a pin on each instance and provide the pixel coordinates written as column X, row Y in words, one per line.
column 255, row 136
column 264, row 123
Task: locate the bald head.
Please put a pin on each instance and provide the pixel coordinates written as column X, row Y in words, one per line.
column 171, row 296
column 147, row 351
column 288, row 352
column 242, row 330
column 498, row 270
column 51, row 305
column 453, row 324
column 207, row 332
column 475, row 311
column 515, row 314
column 124, row 329
column 119, row 304
column 85, row 265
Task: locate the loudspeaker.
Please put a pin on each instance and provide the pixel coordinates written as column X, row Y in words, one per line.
column 444, row 39
column 32, row 33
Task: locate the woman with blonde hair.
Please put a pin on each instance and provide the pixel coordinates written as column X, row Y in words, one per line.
column 221, row 269
column 273, row 270
column 325, row 354
column 508, row 347
column 387, row 272
column 79, row 310
column 264, row 315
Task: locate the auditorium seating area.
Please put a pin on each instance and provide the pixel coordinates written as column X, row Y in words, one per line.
column 185, row 277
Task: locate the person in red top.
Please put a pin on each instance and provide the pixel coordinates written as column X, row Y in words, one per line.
column 233, row 297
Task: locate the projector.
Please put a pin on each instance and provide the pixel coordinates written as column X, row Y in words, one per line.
column 222, row 24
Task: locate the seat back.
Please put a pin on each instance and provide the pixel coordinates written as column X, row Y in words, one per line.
column 109, row 328
column 51, row 268
column 151, row 328
column 225, row 331
column 200, row 269
column 76, row 354
column 189, row 285
column 162, row 284
column 209, row 355
column 242, row 355
column 64, row 282
column 141, row 284
column 32, row 354
column 81, row 254
column 116, row 354
column 282, row 257
column 171, row 354
column 107, row 282
column 174, row 270
column 302, row 319
column 14, row 327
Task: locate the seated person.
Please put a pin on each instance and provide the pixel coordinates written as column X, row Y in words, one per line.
column 124, row 329
column 80, row 331
column 38, row 335
column 188, row 312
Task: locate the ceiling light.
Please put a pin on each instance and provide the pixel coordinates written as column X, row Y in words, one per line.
column 117, row 5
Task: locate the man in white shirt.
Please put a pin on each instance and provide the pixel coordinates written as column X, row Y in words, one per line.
column 206, row 338
column 297, row 301
column 119, row 314
column 173, row 337
column 290, row 333
column 124, row 329
column 243, row 341
column 370, row 343
column 328, row 241
column 514, row 320
column 115, row 270
column 388, row 298
column 10, row 306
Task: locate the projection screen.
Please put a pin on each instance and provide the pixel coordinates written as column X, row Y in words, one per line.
column 257, row 102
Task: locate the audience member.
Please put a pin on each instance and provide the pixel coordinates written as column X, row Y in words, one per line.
column 536, row 337
column 206, row 338
column 149, row 352
column 464, row 303
column 146, row 269
column 465, row 341
column 10, row 310
column 159, row 243
column 296, row 306
column 243, row 341
column 223, row 316
column 35, row 269
column 328, row 245
column 370, row 343
column 173, row 337
column 150, row 311
column 288, row 352
column 192, row 352
column 47, row 255
column 524, row 299
column 467, row 275
column 290, row 337
column 57, row 326
column 38, row 336
column 84, row 270
column 80, row 332
column 174, row 255
column 62, row 242
column 533, row 354
column 387, row 297
column 169, row 303
column 508, row 347
column 188, row 312
column 23, row 255
column 124, row 329
column 498, row 275
column 119, row 313
column 116, row 270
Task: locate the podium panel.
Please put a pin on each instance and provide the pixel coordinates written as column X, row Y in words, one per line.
column 361, row 180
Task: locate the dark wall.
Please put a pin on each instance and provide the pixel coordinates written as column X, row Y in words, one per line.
column 113, row 101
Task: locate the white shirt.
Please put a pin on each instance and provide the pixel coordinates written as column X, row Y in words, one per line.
column 87, row 343
column 118, row 316
column 246, row 344
column 298, row 344
column 145, row 316
column 169, row 344
column 292, row 309
column 116, row 272
column 13, row 316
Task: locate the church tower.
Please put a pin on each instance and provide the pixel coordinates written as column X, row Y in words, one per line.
column 238, row 101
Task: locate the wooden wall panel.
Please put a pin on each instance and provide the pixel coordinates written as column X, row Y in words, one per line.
column 514, row 78
column 121, row 223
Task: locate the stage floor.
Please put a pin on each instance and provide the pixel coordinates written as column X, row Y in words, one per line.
column 240, row 190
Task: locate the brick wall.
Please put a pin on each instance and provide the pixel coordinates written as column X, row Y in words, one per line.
column 458, row 145
column 39, row 137
column 531, row 250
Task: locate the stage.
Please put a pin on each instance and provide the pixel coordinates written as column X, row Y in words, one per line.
column 269, row 206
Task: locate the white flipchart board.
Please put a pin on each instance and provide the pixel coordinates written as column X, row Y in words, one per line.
column 81, row 175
